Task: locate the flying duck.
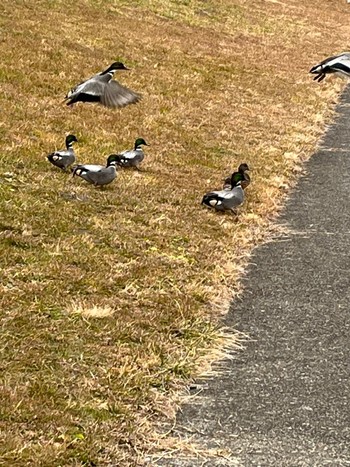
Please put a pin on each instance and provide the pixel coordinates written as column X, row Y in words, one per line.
column 225, row 200
column 63, row 159
column 337, row 64
column 103, row 89
column 241, row 175
column 96, row 174
column 132, row 157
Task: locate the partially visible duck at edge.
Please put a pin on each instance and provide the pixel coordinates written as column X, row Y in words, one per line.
column 339, row 64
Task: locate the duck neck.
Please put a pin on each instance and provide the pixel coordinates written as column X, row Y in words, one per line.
column 109, row 71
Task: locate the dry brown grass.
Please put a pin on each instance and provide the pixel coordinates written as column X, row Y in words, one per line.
column 109, row 298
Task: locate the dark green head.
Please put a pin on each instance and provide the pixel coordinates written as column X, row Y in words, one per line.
column 113, row 159
column 70, row 139
column 236, row 177
column 241, row 176
column 140, row 142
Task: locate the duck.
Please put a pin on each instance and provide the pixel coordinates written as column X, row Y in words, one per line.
column 66, row 157
column 103, row 89
column 98, row 175
column 132, row 157
column 225, row 200
column 339, row 64
column 241, row 175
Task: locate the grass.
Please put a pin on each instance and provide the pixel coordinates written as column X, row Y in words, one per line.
column 111, row 298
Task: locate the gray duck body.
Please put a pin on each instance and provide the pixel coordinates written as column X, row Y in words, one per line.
column 132, row 157
column 224, row 200
column 97, row 175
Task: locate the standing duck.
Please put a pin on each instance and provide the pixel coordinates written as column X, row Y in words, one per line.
column 225, row 200
column 97, row 174
column 339, row 64
column 66, row 157
column 239, row 176
column 132, row 157
column 103, row 89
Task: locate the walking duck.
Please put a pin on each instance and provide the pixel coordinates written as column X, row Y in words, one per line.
column 225, row 200
column 239, row 176
column 103, row 89
column 96, row 174
column 66, row 157
column 132, row 157
column 339, row 64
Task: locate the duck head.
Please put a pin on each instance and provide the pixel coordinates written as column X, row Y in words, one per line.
column 139, row 142
column 115, row 66
column 243, row 168
column 70, row 139
column 113, row 159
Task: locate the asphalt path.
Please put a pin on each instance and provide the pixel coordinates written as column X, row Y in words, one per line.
column 285, row 399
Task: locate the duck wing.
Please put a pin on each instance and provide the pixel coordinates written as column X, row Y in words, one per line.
column 115, row 95
column 89, row 167
column 62, row 153
column 132, row 154
column 98, row 81
column 336, row 58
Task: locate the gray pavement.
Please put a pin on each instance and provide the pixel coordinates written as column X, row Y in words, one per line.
column 285, row 399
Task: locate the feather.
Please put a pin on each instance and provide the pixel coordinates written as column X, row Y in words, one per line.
column 116, row 95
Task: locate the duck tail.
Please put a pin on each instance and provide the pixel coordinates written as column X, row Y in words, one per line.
column 208, row 200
